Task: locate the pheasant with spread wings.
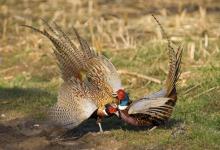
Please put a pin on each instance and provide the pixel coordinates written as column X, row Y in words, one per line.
column 89, row 79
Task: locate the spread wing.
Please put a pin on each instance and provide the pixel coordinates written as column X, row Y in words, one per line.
column 154, row 107
column 79, row 62
column 73, row 105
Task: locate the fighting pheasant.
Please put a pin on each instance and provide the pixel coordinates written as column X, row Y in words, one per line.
column 153, row 109
column 89, row 79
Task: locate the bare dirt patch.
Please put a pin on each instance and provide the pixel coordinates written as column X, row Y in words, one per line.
column 31, row 135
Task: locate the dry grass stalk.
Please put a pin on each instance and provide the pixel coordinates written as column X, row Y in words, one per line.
column 139, row 76
column 191, row 89
column 191, row 50
column 4, row 28
column 207, row 91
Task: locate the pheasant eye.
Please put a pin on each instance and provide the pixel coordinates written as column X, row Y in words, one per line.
column 121, row 94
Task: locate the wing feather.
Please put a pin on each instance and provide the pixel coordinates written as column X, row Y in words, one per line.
column 154, row 107
column 72, row 61
column 73, row 105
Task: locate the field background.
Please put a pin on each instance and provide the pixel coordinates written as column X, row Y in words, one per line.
column 126, row 33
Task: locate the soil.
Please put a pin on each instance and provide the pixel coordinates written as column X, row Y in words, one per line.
column 26, row 134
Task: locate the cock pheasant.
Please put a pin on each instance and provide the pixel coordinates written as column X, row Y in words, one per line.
column 89, row 79
column 157, row 107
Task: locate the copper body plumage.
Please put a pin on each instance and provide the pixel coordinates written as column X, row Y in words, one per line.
column 156, row 108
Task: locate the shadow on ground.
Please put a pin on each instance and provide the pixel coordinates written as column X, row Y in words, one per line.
column 14, row 93
column 25, row 99
column 29, row 133
column 113, row 123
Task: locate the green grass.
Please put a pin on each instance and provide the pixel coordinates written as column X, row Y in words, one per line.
column 199, row 116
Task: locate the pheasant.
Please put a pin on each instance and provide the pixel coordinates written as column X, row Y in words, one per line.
column 89, row 79
column 153, row 109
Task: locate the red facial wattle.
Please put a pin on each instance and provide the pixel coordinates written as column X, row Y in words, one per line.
column 112, row 110
column 121, row 94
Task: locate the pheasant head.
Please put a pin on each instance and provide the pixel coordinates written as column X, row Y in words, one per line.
column 123, row 99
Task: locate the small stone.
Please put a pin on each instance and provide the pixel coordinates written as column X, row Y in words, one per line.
column 3, row 116
column 36, row 125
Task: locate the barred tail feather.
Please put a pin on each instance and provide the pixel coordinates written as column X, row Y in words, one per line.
column 174, row 70
column 174, row 63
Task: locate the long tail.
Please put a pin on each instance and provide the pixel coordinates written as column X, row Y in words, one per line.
column 174, row 65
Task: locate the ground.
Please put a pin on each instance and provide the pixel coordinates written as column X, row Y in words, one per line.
column 125, row 32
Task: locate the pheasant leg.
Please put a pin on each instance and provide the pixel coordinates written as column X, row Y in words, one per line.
column 98, row 121
column 153, row 128
column 100, row 127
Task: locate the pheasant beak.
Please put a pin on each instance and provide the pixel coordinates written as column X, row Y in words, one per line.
column 114, row 94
